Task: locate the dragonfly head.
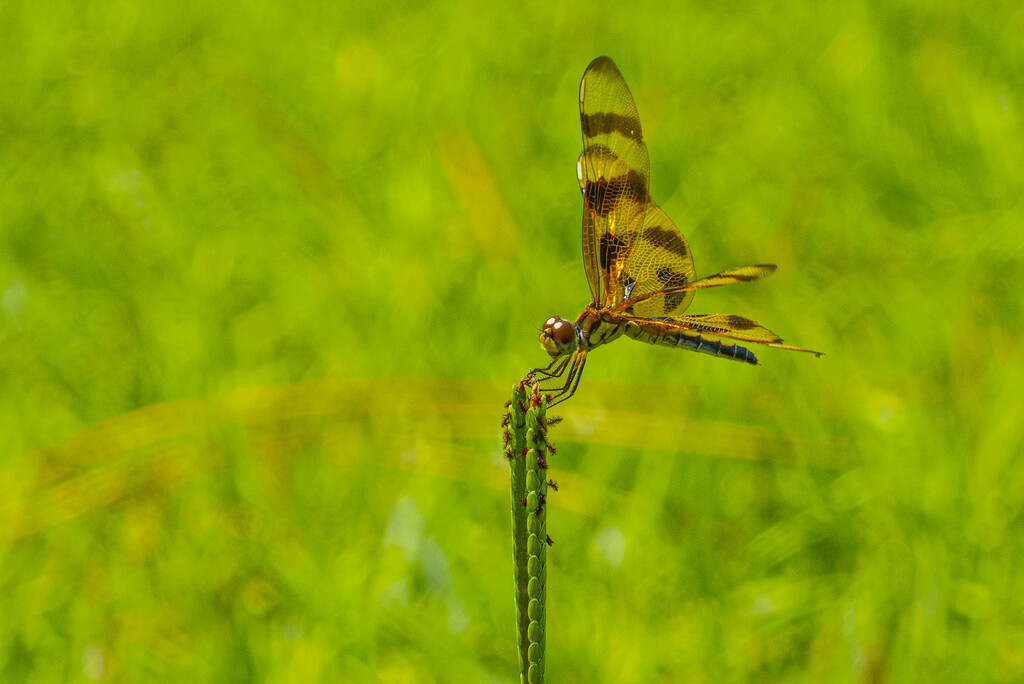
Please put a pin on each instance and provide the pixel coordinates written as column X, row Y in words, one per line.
column 558, row 337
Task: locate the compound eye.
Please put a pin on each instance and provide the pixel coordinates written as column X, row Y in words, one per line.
column 563, row 332
column 550, row 323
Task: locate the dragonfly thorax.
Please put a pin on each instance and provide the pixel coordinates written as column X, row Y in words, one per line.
column 559, row 337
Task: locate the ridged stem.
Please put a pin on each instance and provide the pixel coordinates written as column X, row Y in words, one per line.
column 526, row 449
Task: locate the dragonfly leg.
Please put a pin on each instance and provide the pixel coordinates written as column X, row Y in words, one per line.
column 560, row 362
column 572, row 380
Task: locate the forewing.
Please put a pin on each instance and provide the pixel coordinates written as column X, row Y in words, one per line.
column 653, row 301
column 743, row 274
column 613, row 174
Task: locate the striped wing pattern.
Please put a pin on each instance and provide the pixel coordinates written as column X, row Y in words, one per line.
column 659, row 259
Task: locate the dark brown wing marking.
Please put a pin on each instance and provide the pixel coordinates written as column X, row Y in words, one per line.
column 605, row 123
column 605, row 194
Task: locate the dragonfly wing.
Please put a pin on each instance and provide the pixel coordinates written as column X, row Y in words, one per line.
column 707, row 326
column 613, row 175
column 659, row 258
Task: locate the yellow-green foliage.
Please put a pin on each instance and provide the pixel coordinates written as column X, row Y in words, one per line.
column 268, row 269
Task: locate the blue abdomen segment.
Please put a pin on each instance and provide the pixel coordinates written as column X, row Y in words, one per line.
column 714, row 347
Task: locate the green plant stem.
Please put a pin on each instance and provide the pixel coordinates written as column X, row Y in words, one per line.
column 526, row 451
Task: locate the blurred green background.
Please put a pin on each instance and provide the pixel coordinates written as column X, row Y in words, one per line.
column 268, row 273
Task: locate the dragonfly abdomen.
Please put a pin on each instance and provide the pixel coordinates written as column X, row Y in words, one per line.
column 690, row 340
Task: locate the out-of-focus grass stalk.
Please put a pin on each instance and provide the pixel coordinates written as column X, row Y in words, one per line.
column 526, row 450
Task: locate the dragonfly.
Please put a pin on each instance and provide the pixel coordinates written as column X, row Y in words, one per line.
column 638, row 265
